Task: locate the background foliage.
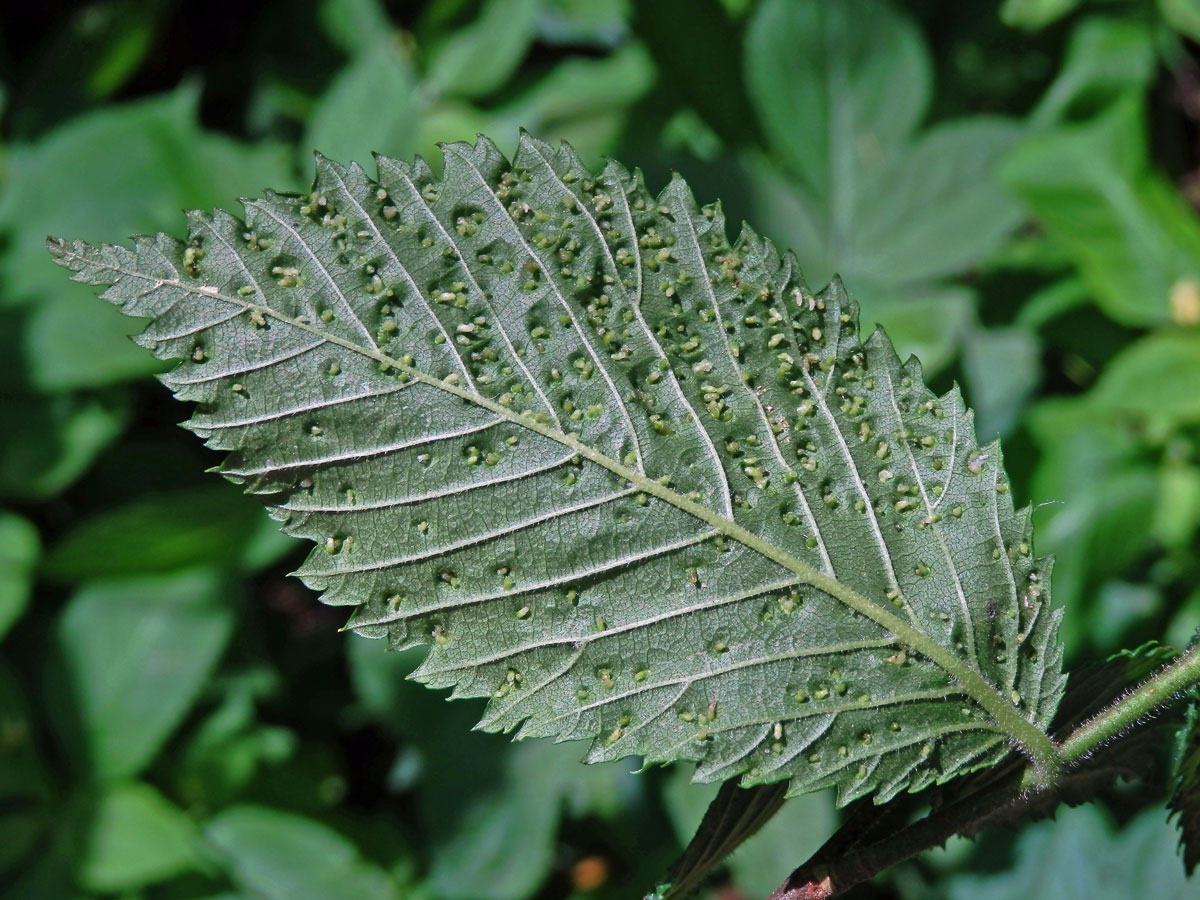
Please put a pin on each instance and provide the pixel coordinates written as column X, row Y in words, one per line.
column 1012, row 192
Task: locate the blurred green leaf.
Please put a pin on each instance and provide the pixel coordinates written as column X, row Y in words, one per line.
column 58, row 326
column 835, row 98
column 1119, row 607
column 699, row 48
column 504, row 845
column 449, row 119
column 371, row 106
column 1002, row 369
column 120, row 170
column 937, row 209
column 1182, row 15
column 581, row 100
column 122, row 52
column 864, row 196
column 928, row 322
column 1049, row 303
column 596, row 22
column 356, row 26
column 135, row 837
column 493, row 833
column 1096, row 195
column 277, row 855
column 1106, row 59
column 135, row 654
column 58, row 439
column 230, row 746
column 1095, row 531
column 1096, row 497
column 762, row 863
column 19, row 549
column 1035, row 14
column 480, row 56
column 165, row 531
column 1177, row 513
column 1082, row 856
column 1184, row 626
column 95, row 50
column 1153, row 383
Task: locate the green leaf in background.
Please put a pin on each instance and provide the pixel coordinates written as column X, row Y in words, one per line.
column 942, row 193
column 1127, row 229
column 601, row 23
column 1166, row 368
column 134, row 655
column 1035, row 14
column 862, row 193
column 476, row 59
column 1177, row 513
column 228, row 749
column 1057, row 299
column 96, row 49
column 494, row 834
column 1096, row 503
column 346, row 22
column 501, row 425
column 135, row 837
column 581, row 100
column 149, row 535
column 58, row 439
column 19, row 549
column 834, row 98
column 762, row 863
column 1082, row 856
column 700, row 38
column 1002, row 369
column 1106, row 59
column 503, row 848
column 371, row 106
column 1182, row 15
column 277, row 855
column 129, row 167
column 1118, row 607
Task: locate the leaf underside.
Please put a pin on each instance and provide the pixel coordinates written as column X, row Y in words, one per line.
column 596, row 455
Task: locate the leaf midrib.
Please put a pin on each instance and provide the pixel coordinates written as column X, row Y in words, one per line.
column 1030, row 739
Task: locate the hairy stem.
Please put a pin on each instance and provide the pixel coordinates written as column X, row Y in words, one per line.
column 1158, row 690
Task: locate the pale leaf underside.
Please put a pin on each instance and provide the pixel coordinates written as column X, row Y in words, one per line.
column 633, row 482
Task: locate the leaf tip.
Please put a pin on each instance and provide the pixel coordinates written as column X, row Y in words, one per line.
column 57, row 246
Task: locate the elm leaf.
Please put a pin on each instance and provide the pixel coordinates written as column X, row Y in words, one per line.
column 633, row 482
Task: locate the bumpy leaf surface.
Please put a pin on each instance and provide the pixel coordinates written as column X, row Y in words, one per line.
column 632, row 481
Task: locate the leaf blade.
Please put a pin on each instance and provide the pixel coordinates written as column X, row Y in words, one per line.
column 591, row 537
